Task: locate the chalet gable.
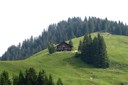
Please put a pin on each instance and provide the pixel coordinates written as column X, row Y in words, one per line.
column 64, row 47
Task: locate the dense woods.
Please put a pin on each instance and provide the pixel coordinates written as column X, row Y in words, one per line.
column 93, row 51
column 64, row 30
column 29, row 77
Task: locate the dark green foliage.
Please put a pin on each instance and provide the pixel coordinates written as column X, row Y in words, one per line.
column 43, row 79
column 95, row 59
column 94, row 51
column 62, row 31
column 70, row 42
column 4, row 78
column 59, row 82
column 86, row 51
column 30, row 77
column 21, row 79
column 51, row 48
column 50, row 81
column 15, row 80
column 104, row 61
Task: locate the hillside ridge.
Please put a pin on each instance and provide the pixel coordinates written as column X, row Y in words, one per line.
column 72, row 70
column 62, row 31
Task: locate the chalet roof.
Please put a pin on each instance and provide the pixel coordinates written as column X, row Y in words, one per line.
column 65, row 44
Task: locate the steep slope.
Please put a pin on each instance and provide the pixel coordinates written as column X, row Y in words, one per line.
column 74, row 72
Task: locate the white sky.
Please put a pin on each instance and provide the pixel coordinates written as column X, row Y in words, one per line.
column 19, row 19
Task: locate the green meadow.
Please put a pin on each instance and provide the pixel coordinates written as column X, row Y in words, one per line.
column 73, row 71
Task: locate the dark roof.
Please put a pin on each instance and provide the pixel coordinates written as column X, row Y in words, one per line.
column 64, row 43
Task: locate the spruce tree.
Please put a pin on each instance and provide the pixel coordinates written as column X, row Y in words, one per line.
column 4, row 78
column 41, row 78
column 95, row 58
column 59, row 82
column 30, row 77
column 94, row 51
column 86, row 49
column 15, row 80
column 50, row 81
column 104, row 61
column 100, row 58
column 21, row 79
column 90, row 50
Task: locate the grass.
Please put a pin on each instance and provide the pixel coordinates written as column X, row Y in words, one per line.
column 74, row 72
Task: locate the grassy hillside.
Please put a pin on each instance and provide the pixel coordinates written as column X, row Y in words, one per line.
column 74, row 72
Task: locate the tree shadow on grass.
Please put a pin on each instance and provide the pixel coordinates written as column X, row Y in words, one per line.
column 118, row 65
column 77, row 62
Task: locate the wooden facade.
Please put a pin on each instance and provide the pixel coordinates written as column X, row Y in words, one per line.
column 64, row 47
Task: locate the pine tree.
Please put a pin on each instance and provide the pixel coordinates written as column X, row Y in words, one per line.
column 4, row 78
column 104, row 61
column 21, row 79
column 30, row 77
column 95, row 58
column 59, row 82
column 46, row 80
column 86, row 49
column 15, row 80
column 94, row 51
column 90, row 50
column 41, row 78
column 50, row 81
column 100, row 58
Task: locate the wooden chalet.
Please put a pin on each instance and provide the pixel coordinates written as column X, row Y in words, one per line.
column 64, row 47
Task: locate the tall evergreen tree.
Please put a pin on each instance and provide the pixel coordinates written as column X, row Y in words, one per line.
column 15, row 80
column 30, row 77
column 21, row 79
column 4, row 78
column 86, row 49
column 59, row 82
column 50, row 81
column 95, row 45
column 94, row 51
column 41, row 78
column 104, row 61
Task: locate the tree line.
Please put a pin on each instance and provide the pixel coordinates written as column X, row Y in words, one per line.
column 62, row 31
column 30, row 77
column 93, row 51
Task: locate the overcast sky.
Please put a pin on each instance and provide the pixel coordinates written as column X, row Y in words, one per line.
column 19, row 19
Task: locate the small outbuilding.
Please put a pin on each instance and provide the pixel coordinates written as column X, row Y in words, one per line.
column 64, row 47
